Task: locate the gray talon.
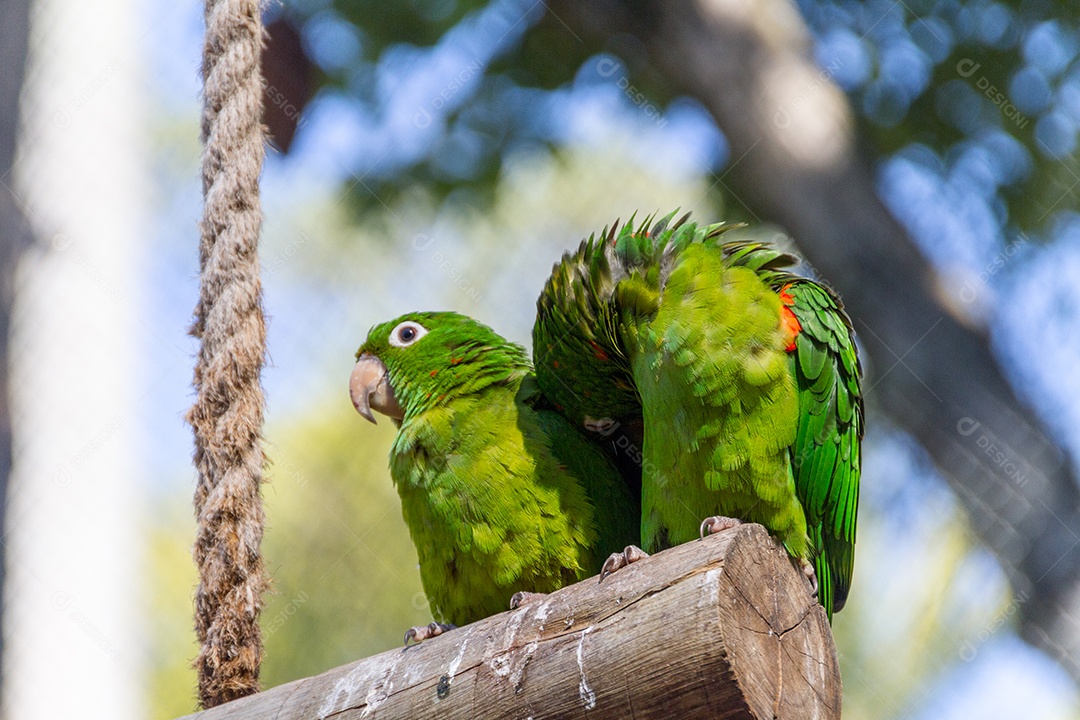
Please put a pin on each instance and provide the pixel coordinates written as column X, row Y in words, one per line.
column 617, row 561
column 522, row 597
column 419, row 633
column 808, row 570
column 716, row 524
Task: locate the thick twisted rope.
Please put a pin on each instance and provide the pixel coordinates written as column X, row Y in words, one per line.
column 228, row 411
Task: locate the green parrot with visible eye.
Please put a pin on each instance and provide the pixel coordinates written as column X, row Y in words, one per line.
column 735, row 382
column 500, row 493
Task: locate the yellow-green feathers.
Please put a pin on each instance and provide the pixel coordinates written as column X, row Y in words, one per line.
column 712, row 366
column 499, row 494
column 743, row 377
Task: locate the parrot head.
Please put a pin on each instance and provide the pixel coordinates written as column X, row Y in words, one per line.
column 420, row 360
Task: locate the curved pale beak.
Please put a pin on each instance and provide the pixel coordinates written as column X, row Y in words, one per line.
column 369, row 387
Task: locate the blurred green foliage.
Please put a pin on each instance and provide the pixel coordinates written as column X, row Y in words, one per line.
column 170, row 583
column 345, row 575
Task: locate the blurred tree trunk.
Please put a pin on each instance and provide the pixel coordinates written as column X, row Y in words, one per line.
column 14, row 233
column 794, row 162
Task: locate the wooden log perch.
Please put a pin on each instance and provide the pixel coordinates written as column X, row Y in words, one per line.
column 722, row 628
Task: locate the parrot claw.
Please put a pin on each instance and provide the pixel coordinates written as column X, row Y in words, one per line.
column 808, row 570
column 616, row 561
column 718, row 523
column 420, row 633
column 523, row 598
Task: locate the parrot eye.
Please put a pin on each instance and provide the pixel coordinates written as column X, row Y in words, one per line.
column 406, row 333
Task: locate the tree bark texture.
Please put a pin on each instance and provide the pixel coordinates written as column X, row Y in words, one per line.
column 725, row 627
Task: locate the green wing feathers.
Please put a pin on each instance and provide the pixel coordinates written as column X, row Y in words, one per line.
column 826, row 457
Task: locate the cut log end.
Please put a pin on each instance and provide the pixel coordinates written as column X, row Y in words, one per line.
column 723, row 627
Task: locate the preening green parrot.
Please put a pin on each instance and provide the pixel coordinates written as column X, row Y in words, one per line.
column 501, row 494
column 735, row 382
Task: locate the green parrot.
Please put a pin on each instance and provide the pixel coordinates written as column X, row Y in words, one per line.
column 500, row 493
column 735, row 383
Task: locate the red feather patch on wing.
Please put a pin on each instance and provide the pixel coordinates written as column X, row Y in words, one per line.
column 790, row 324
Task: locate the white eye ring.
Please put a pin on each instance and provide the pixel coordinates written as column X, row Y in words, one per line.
column 406, row 333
